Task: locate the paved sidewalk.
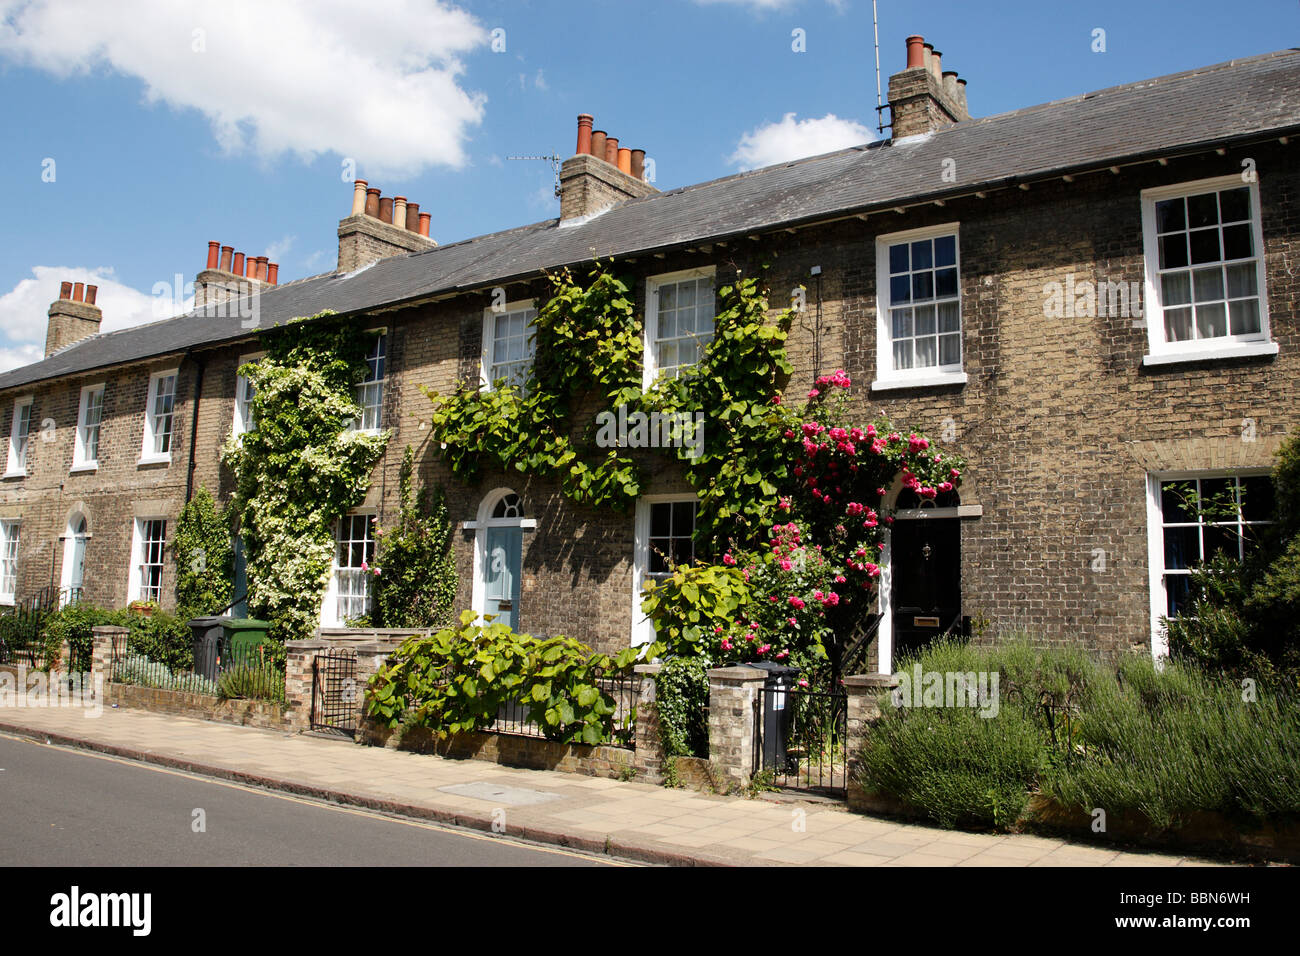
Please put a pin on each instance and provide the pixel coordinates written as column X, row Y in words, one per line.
column 634, row 820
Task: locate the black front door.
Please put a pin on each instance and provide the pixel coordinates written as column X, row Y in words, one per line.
column 926, row 568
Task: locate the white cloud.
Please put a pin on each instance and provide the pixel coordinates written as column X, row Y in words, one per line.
column 765, row 5
column 23, row 308
column 794, row 139
column 377, row 82
column 276, row 250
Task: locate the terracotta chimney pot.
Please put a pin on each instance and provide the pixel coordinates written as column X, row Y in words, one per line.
column 915, row 51
column 385, row 209
column 424, row 224
column 372, row 202
column 638, row 164
column 412, row 217
column 598, row 137
column 611, row 150
column 273, row 273
column 65, row 290
column 214, row 250
column 584, row 133
column 226, row 253
column 238, row 267
column 78, row 291
column 91, row 292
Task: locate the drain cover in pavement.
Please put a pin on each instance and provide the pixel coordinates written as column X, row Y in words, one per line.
column 500, row 793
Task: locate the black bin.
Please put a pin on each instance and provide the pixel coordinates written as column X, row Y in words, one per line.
column 206, row 634
column 778, row 716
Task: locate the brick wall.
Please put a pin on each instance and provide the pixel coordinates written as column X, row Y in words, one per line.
column 1059, row 418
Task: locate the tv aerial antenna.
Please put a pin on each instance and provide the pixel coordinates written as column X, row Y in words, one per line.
column 554, row 160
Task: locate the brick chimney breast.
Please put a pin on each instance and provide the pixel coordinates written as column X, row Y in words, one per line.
column 589, row 183
column 70, row 321
column 922, row 98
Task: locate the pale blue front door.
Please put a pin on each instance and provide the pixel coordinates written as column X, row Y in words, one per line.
column 502, row 559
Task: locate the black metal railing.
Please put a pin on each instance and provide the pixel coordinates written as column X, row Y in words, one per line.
column 20, row 629
column 619, row 728
column 245, row 671
column 801, row 738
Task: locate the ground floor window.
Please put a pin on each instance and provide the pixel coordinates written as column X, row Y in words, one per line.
column 665, row 529
column 354, row 573
column 8, row 561
column 147, row 567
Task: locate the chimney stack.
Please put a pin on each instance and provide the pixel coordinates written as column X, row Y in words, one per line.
column 923, row 97
column 600, row 174
column 380, row 226
column 228, row 274
column 72, row 317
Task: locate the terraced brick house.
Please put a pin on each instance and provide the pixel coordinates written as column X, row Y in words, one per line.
column 1090, row 299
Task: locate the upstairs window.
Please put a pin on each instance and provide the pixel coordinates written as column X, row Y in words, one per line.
column 370, row 393
column 509, row 344
column 19, row 438
column 90, row 415
column 680, row 312
column 159, row 418
column 1205, row 273
column 244, row 397
column 919, row 330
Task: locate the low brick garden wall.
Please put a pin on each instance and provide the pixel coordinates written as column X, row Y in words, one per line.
column 269, row 715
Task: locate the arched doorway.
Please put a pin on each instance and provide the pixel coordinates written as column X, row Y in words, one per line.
column 498, row 555
column 73, row 580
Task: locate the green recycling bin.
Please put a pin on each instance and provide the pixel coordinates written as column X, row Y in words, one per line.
column 242, row 637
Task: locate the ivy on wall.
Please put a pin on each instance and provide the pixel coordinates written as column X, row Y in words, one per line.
column 204, row 558
column 301, row 467
column 415, row 573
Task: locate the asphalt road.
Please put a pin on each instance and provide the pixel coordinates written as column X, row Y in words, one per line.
column 67, row 808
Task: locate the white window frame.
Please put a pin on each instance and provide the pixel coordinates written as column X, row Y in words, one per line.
column 135, row 588
column 487, row 359
column 329, row 616
column 243, row 411
column 19, row 453
column 382, row 382
column 1162, row 352
column 147, row 454
column 887, row 377
column 1156, row 544
column 10, row 535
column 650, row 363
column 643, row 631
column 80, row 461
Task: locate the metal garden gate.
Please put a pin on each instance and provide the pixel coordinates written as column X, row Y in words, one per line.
column 334, row 692
column 801, row 739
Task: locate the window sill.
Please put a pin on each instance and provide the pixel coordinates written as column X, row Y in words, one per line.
column 13, row 474
column 927, row 380
column 155, row 460
column 1210, row 354
column 84, row 466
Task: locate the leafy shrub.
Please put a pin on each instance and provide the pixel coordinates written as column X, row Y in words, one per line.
column 416, row 581
column 205, row 568
column 162, row 637
column 1170, row 742
column 953, row 766
column 681, row 697
column 253, row 681
column 460, row 678
column 1159, row 742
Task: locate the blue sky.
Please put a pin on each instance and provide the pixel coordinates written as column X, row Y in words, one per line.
column 172, row 123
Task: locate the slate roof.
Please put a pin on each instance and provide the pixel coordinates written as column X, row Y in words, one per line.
column 1199, row 108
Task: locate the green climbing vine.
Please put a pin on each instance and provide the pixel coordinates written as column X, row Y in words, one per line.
column 302, row 466
column 204, row 558
column 415, row 573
